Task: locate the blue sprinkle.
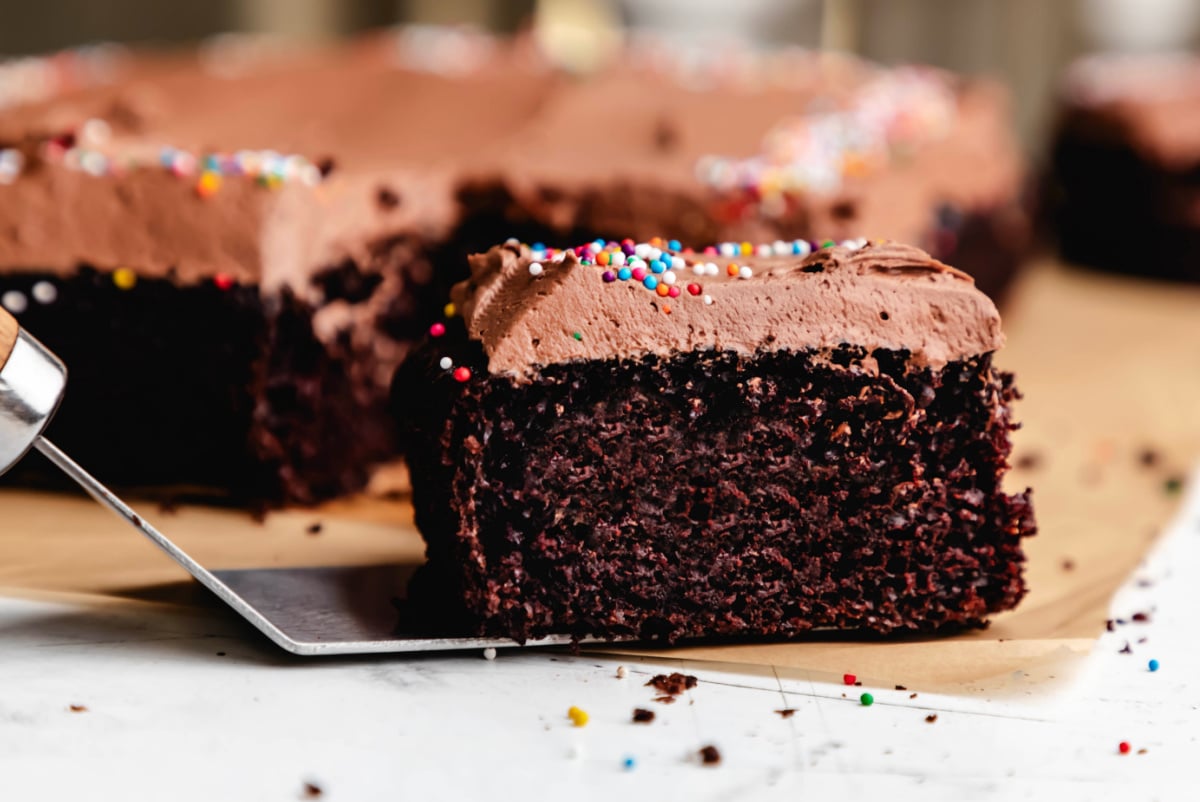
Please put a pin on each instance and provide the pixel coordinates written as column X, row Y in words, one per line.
column 629, row 763
column 538, row 246
column 657, row 266
column 1152, row 665
column 674, row 245
column 166, row 157
column 650, row 281
column 624, row 273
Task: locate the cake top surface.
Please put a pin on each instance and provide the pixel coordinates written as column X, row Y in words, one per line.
column 269, row 162
column 530, row 307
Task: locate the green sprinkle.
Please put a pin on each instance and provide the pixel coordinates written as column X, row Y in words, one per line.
column 867, row 700
column 828, row 243
column 1173, row 485
column 577, row 336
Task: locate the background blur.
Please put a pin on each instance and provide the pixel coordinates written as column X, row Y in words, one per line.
column 1024, row 42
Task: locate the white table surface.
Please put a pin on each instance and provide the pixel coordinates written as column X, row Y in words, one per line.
column 168, row 718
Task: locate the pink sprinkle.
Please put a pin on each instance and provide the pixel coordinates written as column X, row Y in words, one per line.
column 673, row 292
column 437, row 330
column 639, row 273
column 710, row 251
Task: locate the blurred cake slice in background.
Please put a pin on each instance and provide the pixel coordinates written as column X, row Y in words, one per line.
column 1125, row 165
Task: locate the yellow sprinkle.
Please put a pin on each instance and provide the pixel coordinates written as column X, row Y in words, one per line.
column 208, row 184
column 124, row 278
column 578, row 717
column 449, row 309
column 747, row 249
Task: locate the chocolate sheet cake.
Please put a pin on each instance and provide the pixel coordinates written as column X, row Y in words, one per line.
column 1125, row 178
column 252, row 262
column 629, row 440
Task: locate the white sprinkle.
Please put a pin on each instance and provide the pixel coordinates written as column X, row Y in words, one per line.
column 446, row 363
column 44, row 292
column 622, row 672
column 708, row 299
column 635, row 262
column 653, row 254
column 745, row 272
column 15, row 302
column 489, row 653
column 617, row 259
column 699, row 268
column 712, row 268
column 558, row 257
column 763, row 250
column 642, row 250
column 728, row 249
column 802, row 246
column 512, row 241
column 95, row 131
column 535, row 268
column 668, row 277
column 852, row 244
column 677, row 263
column 781, row 248
column 310, row 175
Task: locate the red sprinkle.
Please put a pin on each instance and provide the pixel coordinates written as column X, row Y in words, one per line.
column 437, row 330
column 1124, row 747
column 462, row 374
column 849, row 679
column 224, row 281
column 695, row 289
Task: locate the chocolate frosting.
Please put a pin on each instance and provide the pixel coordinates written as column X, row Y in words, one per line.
column 882, row 295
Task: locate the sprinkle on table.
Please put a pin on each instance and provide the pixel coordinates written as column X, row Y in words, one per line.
column 578, row 716
column 1124, row 747
column 1152, row 665
column 867, row 700
column 629, row 763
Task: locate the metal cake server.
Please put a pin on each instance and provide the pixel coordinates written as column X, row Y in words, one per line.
column 307, row 611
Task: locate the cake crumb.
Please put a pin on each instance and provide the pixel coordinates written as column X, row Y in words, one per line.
column 77, row 708
column 932, row 717
column 312, row 791
column 315, row 528
column 1140, row 618
column 642, row 716
column 666, row 700
column 912, row 695
column 786, row 712
column 673, row 684
column 1126, row 649
column 709, row 755
column 1028, row 462
column 1149, row 457
column 901, row 688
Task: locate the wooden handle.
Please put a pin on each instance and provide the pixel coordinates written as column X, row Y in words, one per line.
column 8, row 336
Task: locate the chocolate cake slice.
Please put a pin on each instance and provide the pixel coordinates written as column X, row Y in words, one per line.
column 634, row 441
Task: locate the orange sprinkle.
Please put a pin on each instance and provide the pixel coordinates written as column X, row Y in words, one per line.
column 731, row 269
column 662, row 289
column 208, row 184
column 602, row 258
column 666, row 309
